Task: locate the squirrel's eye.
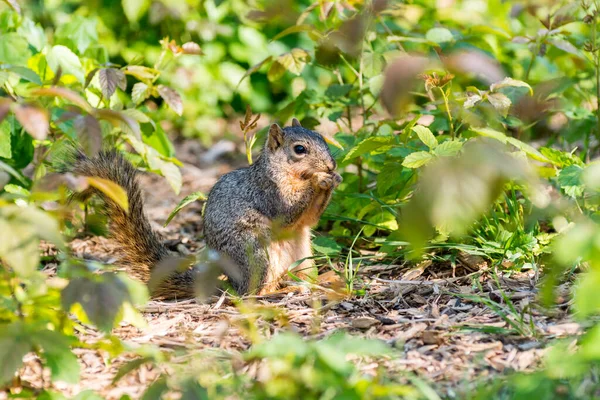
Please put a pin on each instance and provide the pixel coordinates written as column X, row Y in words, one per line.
column 299, row 149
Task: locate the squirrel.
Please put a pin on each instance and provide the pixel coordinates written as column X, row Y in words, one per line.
column 259, row 217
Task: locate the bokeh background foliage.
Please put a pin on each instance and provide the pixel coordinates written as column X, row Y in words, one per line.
column 464, row 127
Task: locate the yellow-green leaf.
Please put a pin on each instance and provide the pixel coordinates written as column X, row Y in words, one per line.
column 426, row 136
column 115, row 192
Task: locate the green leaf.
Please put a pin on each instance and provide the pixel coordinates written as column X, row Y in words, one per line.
column 336, row 90
column 586, row 301
column 326, row 245
column 14, row 49
column 131, row 366
column 26, row 73
column 254, row 69
column 500, row 136
column 33, row 33
column 19, row 243
column 500, row 102
column 294, row 62
column 7, row 168
column 62, row 57
column 570, row 180
column 187, row 200
column 88, row 395
column 448, row 148
column 112, row 190
column 5, row 149
column 426, row 136
column 372, row 64
column 172, row 174
column 294, row 29
column 159, row 140
column 134, row 9
column 58, row 355
column 156, row 390
column 139, row 92
column 510, row 82
column 417, row 159
column 80, row 31
column 14, row 345
column 368, row 145
column 101, row 298
column 390, row 174
column 439, row 35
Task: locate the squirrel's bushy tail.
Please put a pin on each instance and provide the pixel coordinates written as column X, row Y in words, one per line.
column 141, row 248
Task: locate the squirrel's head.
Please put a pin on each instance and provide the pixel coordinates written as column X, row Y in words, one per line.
column 302, row 151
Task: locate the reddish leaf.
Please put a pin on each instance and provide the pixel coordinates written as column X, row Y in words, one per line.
column 172, row 98
column 14, row 5
column 65, row 94
column 191, row 48
column 117, row 119
column 34, row 120
column 89, row 133
column 90, row 76
column 5, row 103
column 110, row 78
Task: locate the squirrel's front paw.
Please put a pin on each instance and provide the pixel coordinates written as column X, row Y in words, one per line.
column 325, row 181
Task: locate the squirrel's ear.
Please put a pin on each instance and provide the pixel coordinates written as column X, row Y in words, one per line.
column 275, row 137
column 296, row 123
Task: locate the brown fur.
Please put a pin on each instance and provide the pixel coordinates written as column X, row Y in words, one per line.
column 258, row 217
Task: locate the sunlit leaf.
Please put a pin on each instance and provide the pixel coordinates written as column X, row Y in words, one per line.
column 62, row 57
column 448, row 148
column 190, row 198
column 417, row 159
column 294, row 62
column 368, row 145
column 139, row 92
column 500, row 102
column 14, row 49
column 135, row 9
column 510, row 82
column 439, row 35
column 112, row 190
column 142, row 73
column 426, row 136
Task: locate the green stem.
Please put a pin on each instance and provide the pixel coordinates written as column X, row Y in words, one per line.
column 597, row 66
column 448, row 111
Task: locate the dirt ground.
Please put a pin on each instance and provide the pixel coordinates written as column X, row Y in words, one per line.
column 446, row 337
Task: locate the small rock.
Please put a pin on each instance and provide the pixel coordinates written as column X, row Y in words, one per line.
column 347, row 306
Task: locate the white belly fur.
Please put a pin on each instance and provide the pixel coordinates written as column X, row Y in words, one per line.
column 283, row 253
